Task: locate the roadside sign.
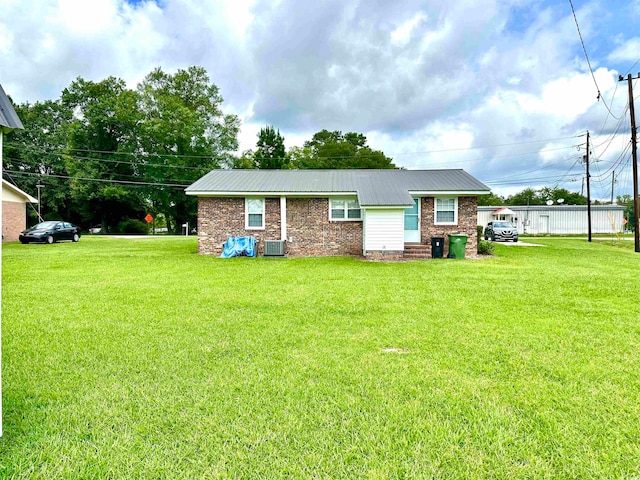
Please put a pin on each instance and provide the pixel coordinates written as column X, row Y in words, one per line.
column 148, row 218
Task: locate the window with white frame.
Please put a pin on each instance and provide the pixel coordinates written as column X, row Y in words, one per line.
column 446, row 211
column 347, row 209
column 254, row 213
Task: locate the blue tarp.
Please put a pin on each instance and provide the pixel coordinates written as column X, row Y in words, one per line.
column 235, row 246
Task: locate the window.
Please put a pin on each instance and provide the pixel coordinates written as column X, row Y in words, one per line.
column 254, row 213
column 446, row 211
column 344, row 209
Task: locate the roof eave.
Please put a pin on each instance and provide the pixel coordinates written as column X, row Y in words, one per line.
column 18, row 191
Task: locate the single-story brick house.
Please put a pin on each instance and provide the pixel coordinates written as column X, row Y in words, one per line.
column 371, row 213
column 14, row 211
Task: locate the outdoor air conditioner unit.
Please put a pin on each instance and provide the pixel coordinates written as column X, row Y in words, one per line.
column 274, row 248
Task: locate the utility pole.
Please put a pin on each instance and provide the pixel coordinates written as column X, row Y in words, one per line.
column 613, row 181
column 634, row 157
column 38, row 186
column 586, row 161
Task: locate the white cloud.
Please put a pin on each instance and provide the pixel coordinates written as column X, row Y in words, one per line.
column 402, row 34
column 414, row 76
column 84, row 18
column 629, row 51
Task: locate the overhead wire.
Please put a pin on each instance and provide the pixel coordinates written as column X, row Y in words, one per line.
column 101, row 180
column 586, row 56
column 444, row 150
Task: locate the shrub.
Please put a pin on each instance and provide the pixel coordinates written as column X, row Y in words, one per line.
column 485, row 247
column 480, row 229
column 133, row 226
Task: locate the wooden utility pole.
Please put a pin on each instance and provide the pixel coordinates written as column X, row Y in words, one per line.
column 634, row 157
column 613, row 181
column 586, row 161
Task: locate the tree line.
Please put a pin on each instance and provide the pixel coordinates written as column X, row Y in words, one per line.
column 531, row 196
column 105, row 154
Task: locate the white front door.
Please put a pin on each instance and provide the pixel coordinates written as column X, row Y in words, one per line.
column 412, row 222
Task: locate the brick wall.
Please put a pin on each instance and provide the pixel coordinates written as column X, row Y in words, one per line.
column 14, row 220
column 307, row 225
column 309, row 228
column 313, row 235
column 467, row 220
column 219, row 218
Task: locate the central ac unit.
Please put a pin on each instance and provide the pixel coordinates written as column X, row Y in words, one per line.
column 274, row 248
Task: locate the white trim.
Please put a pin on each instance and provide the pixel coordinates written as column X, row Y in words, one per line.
column 271, row 194
column 417, row 232
column 455, row 210
column 246, row 213
column 386, row 207
column 19, row 192
column 415, row 193
column 346, row 210
column 283, row 218
column 448, row 193
column 363, row 212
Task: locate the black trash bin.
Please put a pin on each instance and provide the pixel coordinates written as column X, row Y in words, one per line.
column 437, row 247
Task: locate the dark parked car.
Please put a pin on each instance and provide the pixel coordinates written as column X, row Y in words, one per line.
column 500, row 230
column 50, row 232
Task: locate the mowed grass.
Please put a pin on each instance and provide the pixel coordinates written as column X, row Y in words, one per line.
column 141, row 359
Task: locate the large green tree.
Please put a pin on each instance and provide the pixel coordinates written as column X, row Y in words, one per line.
column 530, row 196
column 107, row 153
column 34, row 156
column 106, row 121
column 183, row 135
column 271, row 152
column 337, row 150
column 490, row 200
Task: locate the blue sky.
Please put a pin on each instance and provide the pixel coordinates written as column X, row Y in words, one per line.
column 500, row 88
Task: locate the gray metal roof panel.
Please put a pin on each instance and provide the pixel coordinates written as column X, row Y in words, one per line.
column 373, row 187
column 8, row 117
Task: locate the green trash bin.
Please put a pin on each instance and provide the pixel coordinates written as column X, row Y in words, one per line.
column 457, row 244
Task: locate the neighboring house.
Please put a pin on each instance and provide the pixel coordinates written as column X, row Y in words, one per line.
column 8, row 121
column 14, row 211
column 557, row 219
column 374, row 213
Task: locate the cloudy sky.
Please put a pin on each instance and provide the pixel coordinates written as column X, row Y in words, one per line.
column 500, row 88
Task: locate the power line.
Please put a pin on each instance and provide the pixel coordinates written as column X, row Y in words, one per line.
column 584, row 49
column 176, row 156
column 631, row 67
column 109, row 160
column 123, row 182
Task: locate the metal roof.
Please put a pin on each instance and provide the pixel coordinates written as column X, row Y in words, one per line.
column 8, row 117
column 373, row 187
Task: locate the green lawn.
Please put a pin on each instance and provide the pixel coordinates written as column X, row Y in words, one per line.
column 140, row 359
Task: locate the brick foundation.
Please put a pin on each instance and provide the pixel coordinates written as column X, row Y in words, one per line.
column 385, row 255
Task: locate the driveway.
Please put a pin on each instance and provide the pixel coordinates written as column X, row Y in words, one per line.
column 519, row 244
